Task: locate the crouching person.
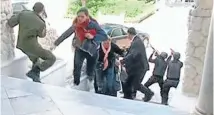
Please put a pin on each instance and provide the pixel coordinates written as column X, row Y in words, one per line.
column 173, row 76
column 105, row 71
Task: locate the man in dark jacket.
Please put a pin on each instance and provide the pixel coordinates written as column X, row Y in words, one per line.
column 159, row 69
column 31, row 26
column 173, row 76
column 136, row 65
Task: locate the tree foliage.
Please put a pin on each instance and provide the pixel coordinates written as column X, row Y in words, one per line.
column 92, row 5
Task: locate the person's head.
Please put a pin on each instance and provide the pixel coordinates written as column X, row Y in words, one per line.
column 82, row 15
column 131, row 33
column 39, row 8
column 106, row 43
column 176, row 55
column 164, row 55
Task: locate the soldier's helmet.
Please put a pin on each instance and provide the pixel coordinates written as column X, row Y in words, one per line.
column 164, row 55
column 176, row 55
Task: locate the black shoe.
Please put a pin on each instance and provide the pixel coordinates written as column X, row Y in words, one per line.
column 148, row 97
column 34, row 76
column 164, row 101
column 134, row 95
column 37, row 79
column 76, row 81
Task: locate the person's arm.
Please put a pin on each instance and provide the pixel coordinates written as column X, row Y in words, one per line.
column 42, row 31
column 117, row 50
column 133, row 52
column 150, row 58
column 14, row 20
column 182, row 64
column 169, row 59
column 65, row 35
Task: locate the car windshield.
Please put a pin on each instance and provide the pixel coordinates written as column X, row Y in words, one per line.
column 106, row 28
column 27, row 6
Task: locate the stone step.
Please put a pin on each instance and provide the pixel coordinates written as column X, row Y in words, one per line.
column 47, row 98
column 19, row 66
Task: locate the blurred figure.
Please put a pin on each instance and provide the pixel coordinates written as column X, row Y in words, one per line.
column 88, row 36
column 31, row 26
column 105, row 71
column 136, row 65
column 172, row 77
column 159, row 69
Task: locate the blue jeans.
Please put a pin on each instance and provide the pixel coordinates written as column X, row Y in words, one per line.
column 105, row 79
column 109, row 81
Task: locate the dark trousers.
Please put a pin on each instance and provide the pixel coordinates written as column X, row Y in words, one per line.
column 166, row 88
column 79, row 58
column 123, row 86
column 46, row 55
column 155, row 79
column 134, row 93
column 134, row 82
column 95, row 85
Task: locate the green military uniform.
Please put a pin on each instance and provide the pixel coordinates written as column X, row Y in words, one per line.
column 31, row 26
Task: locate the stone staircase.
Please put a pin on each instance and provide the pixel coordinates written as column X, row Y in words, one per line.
column 43, row 99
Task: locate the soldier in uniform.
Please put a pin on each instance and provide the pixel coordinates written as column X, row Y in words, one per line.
column 32, row 26
column 159, row 69
column 172, row 77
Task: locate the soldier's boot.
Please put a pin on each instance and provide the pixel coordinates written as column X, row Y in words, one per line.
column 34, row 74
column 134, row 94
column 164, row 101
column 148, row 95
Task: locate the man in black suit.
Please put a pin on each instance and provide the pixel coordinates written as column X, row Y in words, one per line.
column 136, row 65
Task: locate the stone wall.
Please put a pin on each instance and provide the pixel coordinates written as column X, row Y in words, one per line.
column 48, row 41
column 7, row 36
column 198, row 28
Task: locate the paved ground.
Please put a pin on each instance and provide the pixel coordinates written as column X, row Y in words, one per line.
column 22, row 97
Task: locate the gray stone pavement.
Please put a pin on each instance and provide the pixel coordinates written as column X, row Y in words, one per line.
column 22, row 97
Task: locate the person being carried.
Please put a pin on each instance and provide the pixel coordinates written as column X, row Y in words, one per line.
column 172, row 77
column 159, row 69
column 105, row 71
column 88, row 36
column 31, row 26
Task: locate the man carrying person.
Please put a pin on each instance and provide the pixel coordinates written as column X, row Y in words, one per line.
column 136, row 65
